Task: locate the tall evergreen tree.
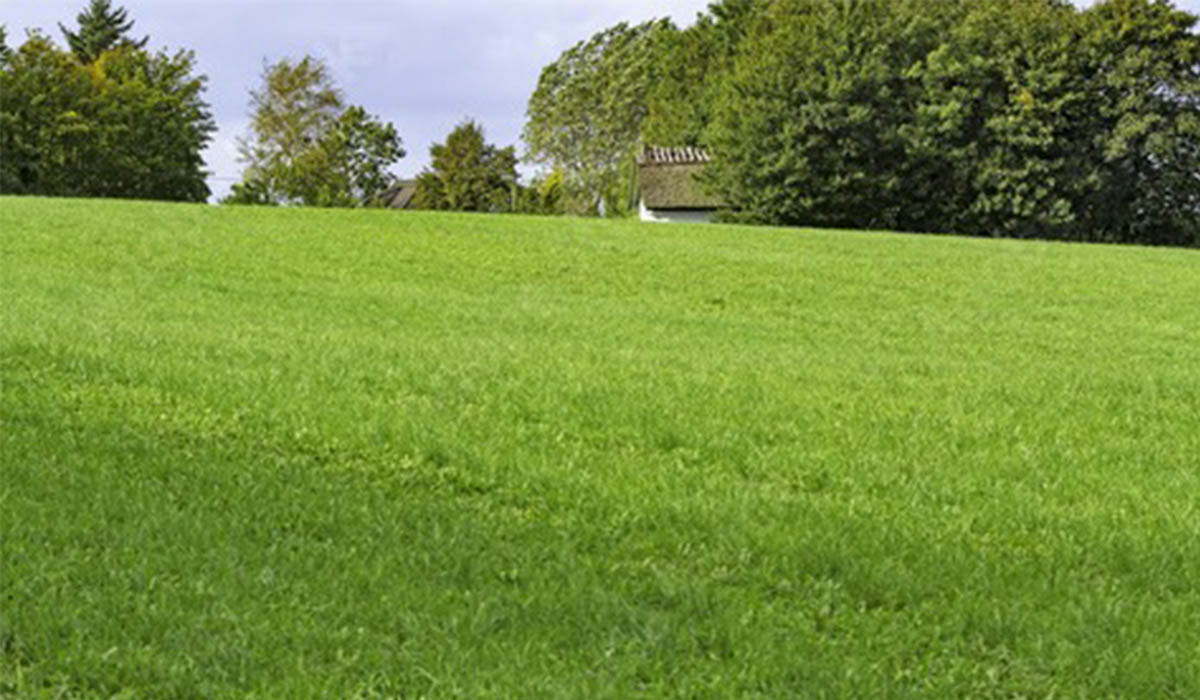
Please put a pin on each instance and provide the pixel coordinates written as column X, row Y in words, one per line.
column 693, row 64
column 468, row 174
column 5, row 52
column 100, row 28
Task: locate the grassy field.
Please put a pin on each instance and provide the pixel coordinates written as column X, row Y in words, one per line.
column 279, row 453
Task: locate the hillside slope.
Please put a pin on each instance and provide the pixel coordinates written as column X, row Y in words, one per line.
column 324, row 453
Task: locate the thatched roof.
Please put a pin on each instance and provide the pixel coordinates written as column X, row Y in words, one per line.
column 399, row 195
column 655, row 155
column 668, row 179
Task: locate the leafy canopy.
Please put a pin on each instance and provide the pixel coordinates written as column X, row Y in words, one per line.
column 306, row 147
column 585, row 117
column 692, row 65
column 129, row 124
column 1019, row 118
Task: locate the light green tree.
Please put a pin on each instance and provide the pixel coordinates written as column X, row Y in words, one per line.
column 585, row 117
column 306, row 147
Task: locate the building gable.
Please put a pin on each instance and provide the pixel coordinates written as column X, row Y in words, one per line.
column 668, row 179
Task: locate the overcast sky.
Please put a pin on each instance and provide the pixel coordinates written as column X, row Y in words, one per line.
column 423, row 65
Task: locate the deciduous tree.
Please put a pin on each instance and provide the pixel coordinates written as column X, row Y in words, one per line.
column 808, row 127
column 1018, row 118
column 1143, row 63
column 130, row 124
column 995, row 141
column 585, row 117
column 306, row 147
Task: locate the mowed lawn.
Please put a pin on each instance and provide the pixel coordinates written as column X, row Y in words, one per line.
column 283, row 453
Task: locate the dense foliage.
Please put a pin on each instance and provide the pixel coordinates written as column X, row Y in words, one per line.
column 808, row 124
column 467, row 173
column 5, row 52
column 1025, row 118
column 128, row 124
column 692, row 65
column 306, row 147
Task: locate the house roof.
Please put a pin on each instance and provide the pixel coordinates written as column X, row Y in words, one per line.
column 399, row 195
column 657, row 155
column 668, row 179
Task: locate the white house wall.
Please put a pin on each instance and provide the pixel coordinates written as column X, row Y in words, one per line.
column 674, row 216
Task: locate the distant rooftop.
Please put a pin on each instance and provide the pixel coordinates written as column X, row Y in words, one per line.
column 400, row 194
column 682, row 155
column 668, row 179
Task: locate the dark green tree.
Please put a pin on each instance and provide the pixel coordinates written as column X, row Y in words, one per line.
column 1142, row 60
column 252, row 192
column 101, row 27
column 131, row 124
column 693, row 64
column 47, row 143
column 585, row 117
column 468, row 174
column 996, row 144
column 154, row 125
column 306, row 147
column 5, row 52
column 808, row 128
column 359, row 150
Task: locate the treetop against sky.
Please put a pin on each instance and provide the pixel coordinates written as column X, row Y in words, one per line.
column 423, row 66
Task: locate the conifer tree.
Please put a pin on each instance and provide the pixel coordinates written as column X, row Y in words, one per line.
column 5, row 52
column 100, row 28
column 467, row 173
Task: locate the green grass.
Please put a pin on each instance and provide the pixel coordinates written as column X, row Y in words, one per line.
column 280, row 453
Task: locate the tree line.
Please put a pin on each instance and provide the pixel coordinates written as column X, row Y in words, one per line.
column 307, row 147
column 105, row 117
column 1021, row 118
